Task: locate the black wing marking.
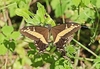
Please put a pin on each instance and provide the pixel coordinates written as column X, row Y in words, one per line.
column 62, row 41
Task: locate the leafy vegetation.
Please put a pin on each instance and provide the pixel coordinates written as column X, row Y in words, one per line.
column 18, row 52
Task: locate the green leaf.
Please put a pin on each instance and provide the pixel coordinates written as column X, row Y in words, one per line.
column 62, row 64
column 41, row 12
column 83, row 15
column 98, row 4
column 59, row 67
column 10, row 45
column 25, row 14
column 42, row 17
column 97, row 59
column 97, row 62
column 22, row 4
column 2, row 37
column 71, row 49
column 49, row 20
column 98, row 66
column 60, row 8
column 86, row 2
column 93, row 2
column 7, row 30
column 3, row 49
column 76, row 2
column 15, row 35
column 54, row 3
column 12, row 9
column 36, row 20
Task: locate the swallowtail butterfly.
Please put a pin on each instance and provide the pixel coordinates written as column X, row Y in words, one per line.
column 61, row 34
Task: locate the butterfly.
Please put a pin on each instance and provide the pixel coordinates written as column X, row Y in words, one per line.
column 62, row 34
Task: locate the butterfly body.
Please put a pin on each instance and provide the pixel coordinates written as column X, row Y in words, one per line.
column 61, row 34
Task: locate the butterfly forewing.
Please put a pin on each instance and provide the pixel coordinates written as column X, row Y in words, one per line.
column 71, row 28
column 38, row 34
column 63, row 33
column 44, row 31
column 57, row 29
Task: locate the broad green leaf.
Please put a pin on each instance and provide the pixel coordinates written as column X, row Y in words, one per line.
column 41, row 12
column 25, row 14
column 15, row 35
column 62, row 64
column 97, row 59
column 93, row 2
column 84, row 14
column 54, row 3
column 3, row 49
column 12, row 9
column 2, row 37
column 97, row 66
column 98, row 4
column 41, row 17
column 10, row 45
column 71, row 49
column 60, row 8
column 49, row 20
column 21, row 12
column 7, row 30
column 86, row 2
column 97, row 62
column 59, row 67
column 76, row 2
column 23, row 4
column 36, row 20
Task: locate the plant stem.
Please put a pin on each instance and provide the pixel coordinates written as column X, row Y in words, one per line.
column 85, row 48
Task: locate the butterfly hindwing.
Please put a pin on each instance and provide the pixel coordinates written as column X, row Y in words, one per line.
column 38, row 34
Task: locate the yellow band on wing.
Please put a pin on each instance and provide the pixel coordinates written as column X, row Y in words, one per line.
column 36, row 35
column 62, row 33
